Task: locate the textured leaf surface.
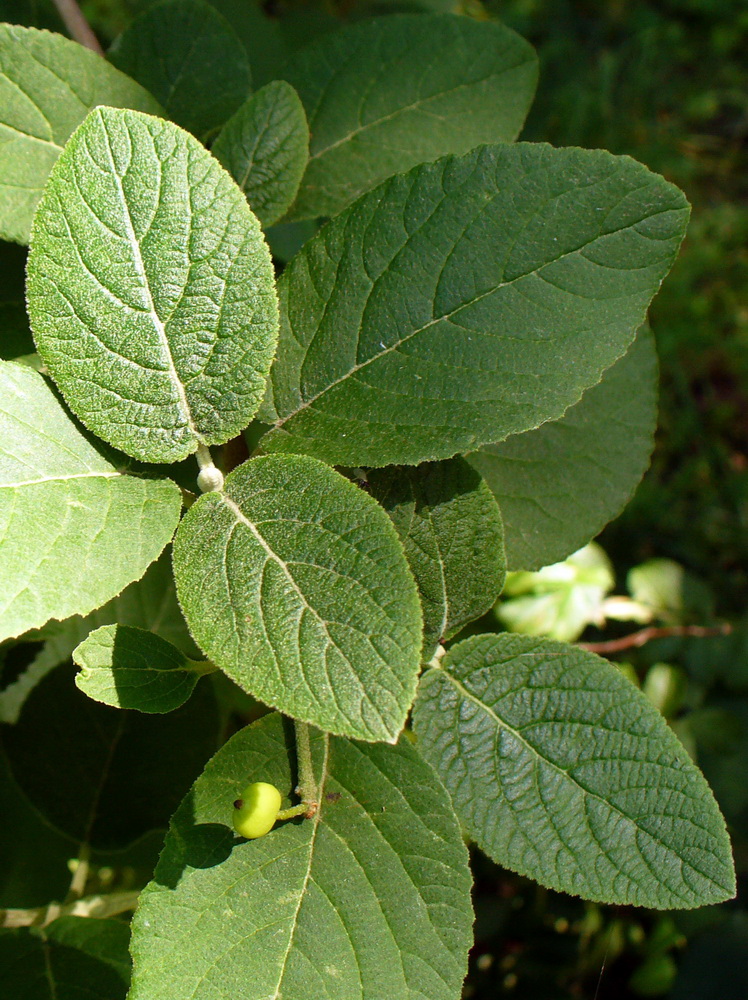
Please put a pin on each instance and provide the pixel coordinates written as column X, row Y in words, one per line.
column 368, row 900
column 48, row 84
column 130, row 668
column 389, row 93
column 294, row 582
column 450, row 527
column 66, row 960
column 73, row 530
column 189, row 57
column 265, row 148
column 150, row 288
column 560, row 484
column 101, row 775
column 467, row 300
column 561, row 769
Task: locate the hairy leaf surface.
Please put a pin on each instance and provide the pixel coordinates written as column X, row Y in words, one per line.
column 265, row 148
column 467, row 300
column 368, row 900
column 189, row 57
column 451, row 529
column 130, row 668
column 150, row 288
column 74, row 531
column 48, row 84
column 294, row 582
column 562, row 770
column 386, row 94
column 560, row 484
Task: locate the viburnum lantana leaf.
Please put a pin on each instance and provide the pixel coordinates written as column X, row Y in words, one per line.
column 451, row 529
column 391, row 92
column 150, row 288
column 369, row 899
column 559, row 485
column 265, row 148
column 294, row 582
column 562, row 770
column 74, row 530
column 48, row 84
column 467, row 300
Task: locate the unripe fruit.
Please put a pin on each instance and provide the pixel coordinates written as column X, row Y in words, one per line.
column 256, row 810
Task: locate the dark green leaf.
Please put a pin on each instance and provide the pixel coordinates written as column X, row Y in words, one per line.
column 386, row 94
column 369, row 900
column 189, row 57
column 294, row 582
column 465, row 301
column 561, row 770
column 150, row 288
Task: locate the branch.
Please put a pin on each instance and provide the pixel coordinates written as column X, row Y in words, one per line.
column 644, row 635
column 92, row 906
column 78, row 27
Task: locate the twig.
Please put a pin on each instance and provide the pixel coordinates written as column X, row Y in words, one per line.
column 644, row 635
column 307, row 788
column 91, row 906
column 77, row 25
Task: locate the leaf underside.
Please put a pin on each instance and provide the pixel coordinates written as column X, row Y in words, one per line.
column 150, row 288
column 368, row 900
column 562, row 770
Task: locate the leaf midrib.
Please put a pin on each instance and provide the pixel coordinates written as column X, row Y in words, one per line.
column 59, row 479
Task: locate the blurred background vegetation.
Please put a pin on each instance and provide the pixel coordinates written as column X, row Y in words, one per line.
column 666, row 82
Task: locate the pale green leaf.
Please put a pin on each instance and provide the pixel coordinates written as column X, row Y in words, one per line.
column 386, row 94
column 467, row 300
column 293, row 581
column 369, row 900
column 189, row 57
column 150, row 288
column 561, row 770
column 265, row 148
column 48, row 84
column 450, row 527
column 560, row 484
column 130, row 668
column 74, row 531
column 58, row 963
column 101, row 775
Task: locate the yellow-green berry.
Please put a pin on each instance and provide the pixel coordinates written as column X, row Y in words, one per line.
column 256, row 810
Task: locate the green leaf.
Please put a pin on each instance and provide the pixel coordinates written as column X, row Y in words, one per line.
column 189, row 57
column 74, row 531
column 368, row 900
column 105, row 940
column 561, row 770
column 386, row 94
column 265, row 148
column 560, row 484
column 48, row 84
column 130, row 668
column 35, row 964
column 470, row 299
column 150, row 288
column 294, row 582
column 450, row 527
column 101, row 775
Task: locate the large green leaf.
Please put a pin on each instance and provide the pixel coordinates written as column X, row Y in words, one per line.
column 101, row 775
column 562, row 770
column 265, row 148
column 294, row 582
column 189, row 57
column 150, row 288
column 48, row 84
column 369, row 900
column 559, row 485
column 389, row 93
column 74, row 531
column 467, row 300
column 450, row 527
column 130, row 668
column 67, row 960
